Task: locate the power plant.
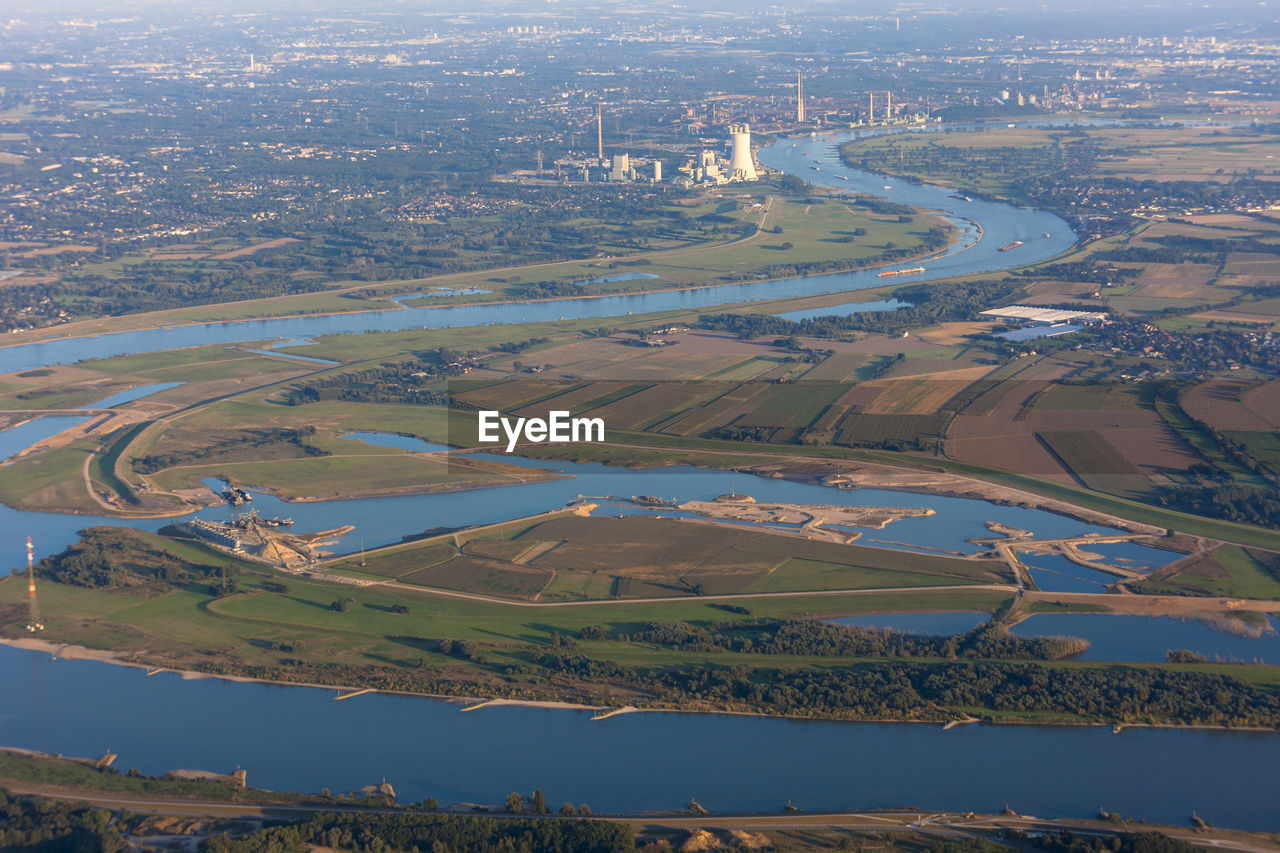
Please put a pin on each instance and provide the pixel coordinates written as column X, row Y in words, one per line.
column 621, row 170
column 33, row 608
column 741, row 166
column 708, row 168
column 871, row 107
column 708, row 163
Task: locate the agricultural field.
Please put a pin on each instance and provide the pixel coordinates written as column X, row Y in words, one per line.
column 912, row 396
column 764, row 411
column 1232, row 404
column 478, row 575
column 572, row 557
column 1241, row 418
column 987, row 159
column 1094, row 461
column 1087, row 398
column 1027, row 419
column 905, row 431
column 1210, row 154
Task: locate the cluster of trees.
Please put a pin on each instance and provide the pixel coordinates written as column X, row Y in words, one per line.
column 295, row 440
column 744, row 433
column 462, row 649
column 1177, row 248
column 1080, row 271
column 226, row 583
column 1184, row 656
column 910, row 690
column 113, row 557
column 1125, row 842
column 521, row 346
column 1230, row 501
column 156, row 285
column 537, row 804
column 37, row 825
column 438, row 833
column 819, row 638
column 404, row 381
column 552, row 289
column 936, row 303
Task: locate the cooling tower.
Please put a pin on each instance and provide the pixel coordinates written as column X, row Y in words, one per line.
column 741, row 166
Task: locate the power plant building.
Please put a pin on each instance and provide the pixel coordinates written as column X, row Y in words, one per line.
column 621, row 167
column 708, row 168
column 741, row 165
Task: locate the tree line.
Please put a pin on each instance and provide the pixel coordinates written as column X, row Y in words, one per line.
column 438, row 833
column 927, row 305
column 264, row 437
column 816, row 637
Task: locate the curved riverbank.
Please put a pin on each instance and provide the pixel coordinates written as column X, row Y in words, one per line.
column 999, row 224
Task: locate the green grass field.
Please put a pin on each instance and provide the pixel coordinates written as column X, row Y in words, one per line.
column 1245, row 574
column 189, row 619
column 51, row 480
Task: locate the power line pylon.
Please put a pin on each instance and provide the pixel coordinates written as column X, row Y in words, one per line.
column 33, row 608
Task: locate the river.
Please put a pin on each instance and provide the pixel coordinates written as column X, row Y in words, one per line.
column 298, row 738
column 1000, row 224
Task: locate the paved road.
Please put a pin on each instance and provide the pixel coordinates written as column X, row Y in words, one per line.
column 449, row 593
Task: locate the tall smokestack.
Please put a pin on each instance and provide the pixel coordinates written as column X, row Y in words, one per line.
column 871, row 108
column 599, row 134
column 888, row 109
column 799, row 98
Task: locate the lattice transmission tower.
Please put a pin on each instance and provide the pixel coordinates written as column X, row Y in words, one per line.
column 33, row 607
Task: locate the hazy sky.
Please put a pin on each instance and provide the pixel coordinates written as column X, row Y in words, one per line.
column 1033, row 16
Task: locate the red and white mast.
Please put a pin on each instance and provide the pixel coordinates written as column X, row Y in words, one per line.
column 33, row 608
